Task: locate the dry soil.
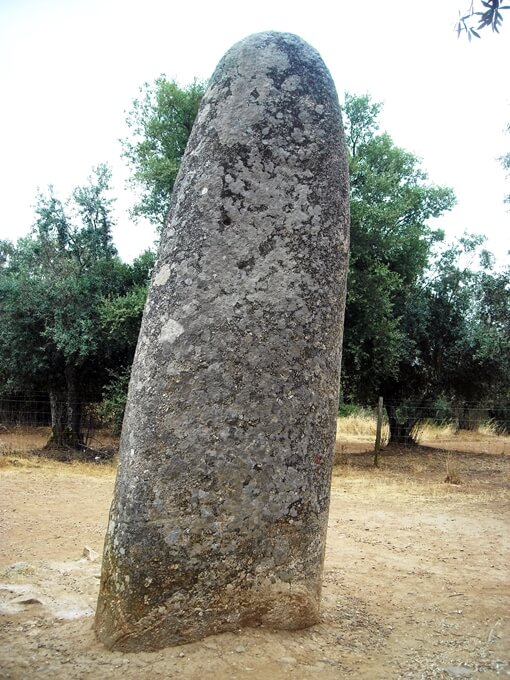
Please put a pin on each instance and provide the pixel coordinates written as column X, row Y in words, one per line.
column 416, row 581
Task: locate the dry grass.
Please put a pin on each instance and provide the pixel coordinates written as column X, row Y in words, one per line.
column 374, row 487
column 474, row 474
column 28, row 461
column 22, row 439
column 20, row 442
column 441, row 448
column 452, row 471
column 23, row 447
column 431, row 431
column 360, row 428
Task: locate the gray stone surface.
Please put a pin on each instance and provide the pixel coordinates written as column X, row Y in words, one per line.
column 221, row 502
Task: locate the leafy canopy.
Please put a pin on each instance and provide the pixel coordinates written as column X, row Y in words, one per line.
column 52, row 284
column 160, row 120
column 391, row 241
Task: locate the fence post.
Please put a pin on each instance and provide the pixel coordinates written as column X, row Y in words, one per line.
column 378, row 431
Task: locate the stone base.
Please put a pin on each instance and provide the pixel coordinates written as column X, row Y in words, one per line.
column 279, row 606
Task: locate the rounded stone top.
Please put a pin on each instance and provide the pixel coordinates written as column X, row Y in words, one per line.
column 282, row 39
column 277, row 53
column 264, row 38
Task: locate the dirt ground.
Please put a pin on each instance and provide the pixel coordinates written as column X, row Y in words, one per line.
column 416, row 581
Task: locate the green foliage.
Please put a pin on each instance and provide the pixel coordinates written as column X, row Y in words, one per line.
column 493, row 330
column 113, row 405
column 360, row 120
column 160, row 120
column 120, row 319
column 423, row 320
column 391, row 243
column 470, row 334
column 350, row 410
column 488, row 15
column 459, row 328
column 73, row 261
column 76, row 234
column 120, row 314
column 54, row 288
column 424, row 325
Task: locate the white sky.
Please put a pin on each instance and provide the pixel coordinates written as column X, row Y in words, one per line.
column 69, row 70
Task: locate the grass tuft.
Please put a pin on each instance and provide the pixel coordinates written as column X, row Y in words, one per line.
column 25, row 461
column 452, row 471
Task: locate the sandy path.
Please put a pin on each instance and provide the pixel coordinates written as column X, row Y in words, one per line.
column 416, row 585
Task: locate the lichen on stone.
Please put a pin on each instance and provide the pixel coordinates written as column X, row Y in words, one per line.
column 223, row 507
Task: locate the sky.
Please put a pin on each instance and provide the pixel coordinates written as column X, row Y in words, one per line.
column 69, row 70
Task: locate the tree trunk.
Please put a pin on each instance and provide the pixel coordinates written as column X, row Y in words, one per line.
column 73, row 424
column 66, row 414
column 57, row 407
column 467, row 419
column 400, row 428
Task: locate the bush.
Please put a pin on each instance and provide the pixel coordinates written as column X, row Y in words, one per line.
column 349, row 410
column 111, row 409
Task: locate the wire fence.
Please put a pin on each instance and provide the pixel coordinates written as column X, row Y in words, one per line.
column 31, row 423
column 27, row 423
column 408, row 423
column 414, row 419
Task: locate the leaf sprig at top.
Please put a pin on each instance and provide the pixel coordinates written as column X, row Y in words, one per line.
column 489, row 16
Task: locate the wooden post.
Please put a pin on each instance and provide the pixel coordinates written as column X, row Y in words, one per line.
column 378, row 431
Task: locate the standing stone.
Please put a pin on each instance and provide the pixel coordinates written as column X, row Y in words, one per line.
column 221, row 502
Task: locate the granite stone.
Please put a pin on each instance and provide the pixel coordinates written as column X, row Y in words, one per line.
column 221, row 500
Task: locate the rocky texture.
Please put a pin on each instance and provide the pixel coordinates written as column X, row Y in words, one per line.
column 221, row 501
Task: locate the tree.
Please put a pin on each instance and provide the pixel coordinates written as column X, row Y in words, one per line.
column 415, row 329
column 468, row 334
column 401, row 315
column 391, row 242
column 493, row 334
column 457, row 328
column 52, row 287
column 160, row 120
column 121, row 317
column 488, row 14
